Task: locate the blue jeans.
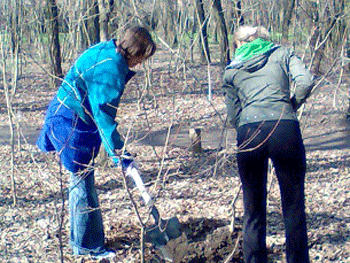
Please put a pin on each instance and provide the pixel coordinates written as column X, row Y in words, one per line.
column 86, row 228
column 77, row 144
column 281, row 142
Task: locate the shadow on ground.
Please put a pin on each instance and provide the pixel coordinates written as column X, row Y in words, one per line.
column 337, row 140
column 211, row 138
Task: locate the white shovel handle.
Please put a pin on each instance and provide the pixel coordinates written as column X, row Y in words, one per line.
column 134, row 173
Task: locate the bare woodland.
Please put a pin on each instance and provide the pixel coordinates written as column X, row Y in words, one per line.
column 175, row 93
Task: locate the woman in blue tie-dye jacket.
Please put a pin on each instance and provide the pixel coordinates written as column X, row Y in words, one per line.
column 81, row 117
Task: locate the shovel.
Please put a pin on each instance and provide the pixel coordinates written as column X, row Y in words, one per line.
column 165, row 235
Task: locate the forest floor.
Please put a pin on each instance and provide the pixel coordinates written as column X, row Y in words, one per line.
column 199, row 190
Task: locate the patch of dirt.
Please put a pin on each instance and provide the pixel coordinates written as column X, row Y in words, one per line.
column 211, row 241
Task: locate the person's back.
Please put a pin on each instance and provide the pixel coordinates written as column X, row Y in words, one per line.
column 262, row 108
column 262, row 84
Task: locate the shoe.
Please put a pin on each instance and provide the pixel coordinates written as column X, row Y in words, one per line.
column 103, row 254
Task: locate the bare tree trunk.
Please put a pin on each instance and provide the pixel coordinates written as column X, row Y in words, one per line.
column 347, row 53
column 170, row 22
column 104, row 17
column 338, row 35
column 94, row 23
column 320, row 39
column 55, row 52
column 230, row 14
column 203, row 24
column 347, row 49
column 91, row 26
column 105, row 8
column 14, row 16
column 84, row 36
column 288, row 7
column 234, row 17
column 9, row 95
column 313, row 9
column 239, row 16
column 193, row 33
column 220, row 20
column 12, row 143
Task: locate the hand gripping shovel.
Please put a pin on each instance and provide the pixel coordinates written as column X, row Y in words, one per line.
column 165, row 235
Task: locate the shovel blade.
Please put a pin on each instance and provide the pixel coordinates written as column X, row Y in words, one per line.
column 169, row 239
column 173, row 228
column 160, row 234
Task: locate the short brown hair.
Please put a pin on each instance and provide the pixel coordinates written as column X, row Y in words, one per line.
column 137, row 41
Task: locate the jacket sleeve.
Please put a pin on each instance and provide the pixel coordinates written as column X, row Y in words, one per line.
column 302, row 78
column 233, row 103
column 106, row 88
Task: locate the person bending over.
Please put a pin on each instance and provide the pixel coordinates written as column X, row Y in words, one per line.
column 262, row 108
column 81, row 116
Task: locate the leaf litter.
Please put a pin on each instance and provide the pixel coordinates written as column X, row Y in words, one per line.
column 197, row 189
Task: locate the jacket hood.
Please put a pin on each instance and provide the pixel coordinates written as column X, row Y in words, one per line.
column 253, row 64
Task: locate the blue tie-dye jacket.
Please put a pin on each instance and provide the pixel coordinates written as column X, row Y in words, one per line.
column 92, row 89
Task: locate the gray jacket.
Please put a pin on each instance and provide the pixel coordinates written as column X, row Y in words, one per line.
column 258, row 89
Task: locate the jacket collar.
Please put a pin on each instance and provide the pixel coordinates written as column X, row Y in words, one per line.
column 254, row 63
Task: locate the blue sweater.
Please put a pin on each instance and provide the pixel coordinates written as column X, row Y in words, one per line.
column 92, row 89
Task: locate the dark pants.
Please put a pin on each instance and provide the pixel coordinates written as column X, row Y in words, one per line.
column 281, row 142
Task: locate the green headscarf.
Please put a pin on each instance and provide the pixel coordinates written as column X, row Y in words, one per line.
column 256, row 47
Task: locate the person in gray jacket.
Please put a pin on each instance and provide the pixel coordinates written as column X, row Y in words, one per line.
column 262, row 108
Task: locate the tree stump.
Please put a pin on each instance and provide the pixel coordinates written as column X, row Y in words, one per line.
column 195, row 135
